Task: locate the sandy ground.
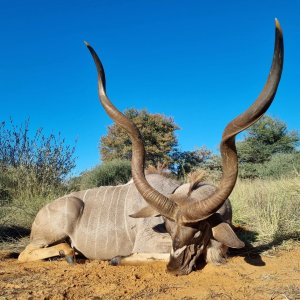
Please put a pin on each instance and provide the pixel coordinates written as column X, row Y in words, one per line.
column 272, row 276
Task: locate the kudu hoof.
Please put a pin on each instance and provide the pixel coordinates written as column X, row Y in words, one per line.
column 69, row 258
column 115, row 261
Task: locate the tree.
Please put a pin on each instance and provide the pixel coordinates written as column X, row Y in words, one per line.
column 187, row 161
column 265, row 138
column 158, row 132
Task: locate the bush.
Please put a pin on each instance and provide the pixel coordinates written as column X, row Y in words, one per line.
column 249, row 170
column 47, row 159
column 268, row 208
column 267, row 137
column 281, row 165
column 24, row 195
column 22, row 211
column 109, row 173
column 6, row 188
column 33, row 169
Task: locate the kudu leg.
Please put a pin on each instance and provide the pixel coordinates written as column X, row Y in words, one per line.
column 34, row 252
column 139, row 258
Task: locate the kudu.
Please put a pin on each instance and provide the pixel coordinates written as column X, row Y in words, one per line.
column 121, row 222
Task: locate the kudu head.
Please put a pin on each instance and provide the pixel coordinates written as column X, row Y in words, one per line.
column 190, row 216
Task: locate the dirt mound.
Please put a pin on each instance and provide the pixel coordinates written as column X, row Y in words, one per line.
column 275, row 276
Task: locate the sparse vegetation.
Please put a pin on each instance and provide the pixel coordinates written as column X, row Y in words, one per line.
column 268, row 208
column 33, row 170
column 112, row 172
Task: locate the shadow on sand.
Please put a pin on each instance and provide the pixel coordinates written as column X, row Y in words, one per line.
column 12, row 233
column 10, row 237
column 252, row 254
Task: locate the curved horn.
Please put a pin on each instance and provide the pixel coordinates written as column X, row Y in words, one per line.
column 162, row 204
column 196, row 210
column 199, row 210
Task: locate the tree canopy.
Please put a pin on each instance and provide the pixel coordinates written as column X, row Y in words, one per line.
column 265, row 138
column 186, row 161
column 158, row 132
column 267, row 148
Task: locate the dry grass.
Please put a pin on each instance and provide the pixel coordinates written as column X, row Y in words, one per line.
column 268, row 209
column 22, row 211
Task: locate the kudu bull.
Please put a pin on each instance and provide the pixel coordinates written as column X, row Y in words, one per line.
column 120, row 223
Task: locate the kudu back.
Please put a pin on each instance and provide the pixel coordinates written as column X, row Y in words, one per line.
column 152, row 216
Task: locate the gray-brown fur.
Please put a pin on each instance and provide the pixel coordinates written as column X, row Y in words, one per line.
column 98, row 224
column 97, row 221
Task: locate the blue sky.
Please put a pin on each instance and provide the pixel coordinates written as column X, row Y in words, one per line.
column 200, row 62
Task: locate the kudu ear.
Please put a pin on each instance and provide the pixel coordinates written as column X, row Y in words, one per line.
column 160, row 228
column 145, row 212
column 223, row 233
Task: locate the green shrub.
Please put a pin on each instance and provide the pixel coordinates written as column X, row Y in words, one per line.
column 33, row 170
column 265, row 138
column 46, row 160
column 281, row 165
column 109, row 173
column 6, row 188
column 248, row 171
column 22, row 211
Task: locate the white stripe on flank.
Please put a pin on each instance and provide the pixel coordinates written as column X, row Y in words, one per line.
column 85, row 195
column 107, row 221
column 49, row 218
column 99, row 208
column 116, row 214
column 88, row 223
column 125, row 215
column 66, row 212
